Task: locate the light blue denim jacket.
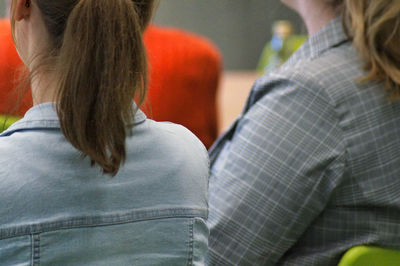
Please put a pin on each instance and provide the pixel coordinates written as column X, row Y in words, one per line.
column 57, row 210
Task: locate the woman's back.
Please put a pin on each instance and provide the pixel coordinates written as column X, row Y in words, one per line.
column 85, row 179
column 56, row 210
column 359, row 148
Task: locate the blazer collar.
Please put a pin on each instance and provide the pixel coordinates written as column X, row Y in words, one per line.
column 331, row 35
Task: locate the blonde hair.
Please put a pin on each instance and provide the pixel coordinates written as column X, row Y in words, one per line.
column 374, row 27
column 98, row 55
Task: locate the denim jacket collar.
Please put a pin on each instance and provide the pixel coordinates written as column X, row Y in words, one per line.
column 44, row 116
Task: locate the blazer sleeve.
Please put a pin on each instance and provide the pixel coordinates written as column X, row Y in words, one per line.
column 276, row 174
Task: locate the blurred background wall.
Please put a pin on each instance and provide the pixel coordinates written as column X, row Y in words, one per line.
column 2, row 8
column 240, row 28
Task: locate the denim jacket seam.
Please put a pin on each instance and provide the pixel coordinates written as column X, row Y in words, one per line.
column 35, row 238
column 191, row 239
column 105, row 220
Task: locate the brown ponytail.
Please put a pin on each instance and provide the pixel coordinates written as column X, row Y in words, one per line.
column 99, row 59
column 374, row 27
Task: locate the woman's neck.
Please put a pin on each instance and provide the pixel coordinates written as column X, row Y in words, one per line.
column 43, row 89
column 316, row 14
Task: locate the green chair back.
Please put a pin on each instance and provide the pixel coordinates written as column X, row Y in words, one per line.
column 6, row 121
column 370, row 256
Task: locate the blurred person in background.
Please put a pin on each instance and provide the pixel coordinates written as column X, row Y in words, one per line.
column 85, row 178
column 311, row 167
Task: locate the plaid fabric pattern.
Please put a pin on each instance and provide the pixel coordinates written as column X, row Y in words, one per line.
column 311, row 167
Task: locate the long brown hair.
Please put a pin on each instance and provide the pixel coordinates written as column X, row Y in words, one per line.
column 374, row 27
column 98, row 57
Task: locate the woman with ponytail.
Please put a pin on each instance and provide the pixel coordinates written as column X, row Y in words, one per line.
column 312, row 166
column 85, row 178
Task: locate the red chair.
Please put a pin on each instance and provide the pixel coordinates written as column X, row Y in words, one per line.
column 9, row 64
column 184, row 76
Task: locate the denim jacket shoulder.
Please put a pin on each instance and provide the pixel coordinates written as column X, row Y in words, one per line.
column 57, row 210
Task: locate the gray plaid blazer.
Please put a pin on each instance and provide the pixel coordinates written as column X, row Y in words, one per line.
column 311, row 167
